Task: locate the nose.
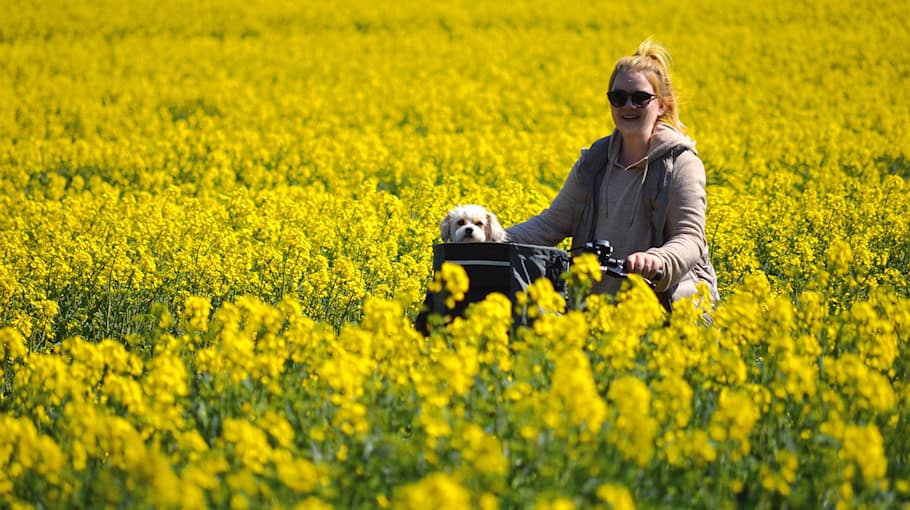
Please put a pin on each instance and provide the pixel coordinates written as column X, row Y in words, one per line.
column 629, row 104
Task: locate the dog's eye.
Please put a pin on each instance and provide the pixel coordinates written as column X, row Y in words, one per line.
column 479, row 223
column 461, row 222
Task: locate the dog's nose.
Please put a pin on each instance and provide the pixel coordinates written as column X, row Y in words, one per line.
column 469, row 230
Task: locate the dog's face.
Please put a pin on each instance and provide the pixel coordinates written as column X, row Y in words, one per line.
column 471, row 224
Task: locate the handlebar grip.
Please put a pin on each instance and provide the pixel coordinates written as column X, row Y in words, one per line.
column 659, row 275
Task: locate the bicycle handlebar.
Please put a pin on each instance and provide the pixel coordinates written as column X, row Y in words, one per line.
column 615, row 267
column 623, row 273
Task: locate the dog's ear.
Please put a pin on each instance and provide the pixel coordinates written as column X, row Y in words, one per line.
column 495, row 232
column 445, row 230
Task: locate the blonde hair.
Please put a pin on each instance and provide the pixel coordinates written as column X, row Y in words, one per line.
column 654, row 60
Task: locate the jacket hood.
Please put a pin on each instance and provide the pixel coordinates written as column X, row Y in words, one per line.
column 665, row 137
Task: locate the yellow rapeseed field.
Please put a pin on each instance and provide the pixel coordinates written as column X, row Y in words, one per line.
column 216, row 229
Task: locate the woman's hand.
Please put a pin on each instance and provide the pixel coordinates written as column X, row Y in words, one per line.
column 648, row 265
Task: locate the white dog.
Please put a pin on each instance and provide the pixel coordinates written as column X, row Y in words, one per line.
column 471, row 224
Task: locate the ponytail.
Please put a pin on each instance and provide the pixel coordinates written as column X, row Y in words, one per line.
column 654, row 60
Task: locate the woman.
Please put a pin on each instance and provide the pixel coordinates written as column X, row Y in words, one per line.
column 642, row 188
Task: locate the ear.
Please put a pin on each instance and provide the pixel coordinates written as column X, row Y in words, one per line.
column 444, row 230
column 495, row 232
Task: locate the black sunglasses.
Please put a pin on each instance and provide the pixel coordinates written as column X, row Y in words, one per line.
column 639, row 98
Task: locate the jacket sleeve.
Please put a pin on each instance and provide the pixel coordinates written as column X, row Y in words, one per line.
column 557, row 221
column 684, row 230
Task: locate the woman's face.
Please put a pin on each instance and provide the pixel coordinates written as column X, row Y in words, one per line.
column 634, row 120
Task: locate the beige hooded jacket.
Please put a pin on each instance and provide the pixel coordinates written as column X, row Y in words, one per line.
column 664, row 215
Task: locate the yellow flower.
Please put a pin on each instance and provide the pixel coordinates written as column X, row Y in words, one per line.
column 863, row 445
column 840, row 257
column 313, row 503
column 481, row 451
column 799, row 375
column 196, row 311
column 674, row 401
column 782, row 476
column 573, row 401
column 733, row 420
column 543, row 299
column 277, row 427
column 867, row 388
column 685, row 447
column 582, row 275
column 12, row 344
column 558, row 503
column 634, row 428
column 437, row 490
column 488, row 501
column 454, row 280
column 250, row 444
column 616, row 496
column 300, row 475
